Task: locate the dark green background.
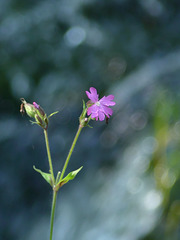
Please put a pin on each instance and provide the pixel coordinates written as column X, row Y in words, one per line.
column 51, row 52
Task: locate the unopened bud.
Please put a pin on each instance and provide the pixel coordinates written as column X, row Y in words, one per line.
column 29, row 108
column 40, row 117
column 35, row 111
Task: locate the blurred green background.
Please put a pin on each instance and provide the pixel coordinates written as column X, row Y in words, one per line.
column 51, row 52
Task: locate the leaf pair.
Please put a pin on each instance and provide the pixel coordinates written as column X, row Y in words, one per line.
column 60, row 183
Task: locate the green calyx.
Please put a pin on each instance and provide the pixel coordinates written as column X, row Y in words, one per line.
column 41, row 118
column 83, row 120
column 36, row 112
column 29, row 108
column 41, row 121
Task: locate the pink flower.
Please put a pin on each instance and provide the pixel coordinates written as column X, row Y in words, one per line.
column 100, row 108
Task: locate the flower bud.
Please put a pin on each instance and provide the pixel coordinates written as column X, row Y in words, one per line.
column 35, row 111
column 29, row 108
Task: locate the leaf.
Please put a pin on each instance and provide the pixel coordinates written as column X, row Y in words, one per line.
column 52, row 114
column 69, row 177
column 46, row 176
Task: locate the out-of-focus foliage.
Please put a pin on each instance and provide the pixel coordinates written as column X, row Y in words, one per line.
column 51, row 52
column 165, row 164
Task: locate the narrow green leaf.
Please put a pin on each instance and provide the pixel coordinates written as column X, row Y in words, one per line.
column 53, row 114
column 46, row 176
column 69, row 177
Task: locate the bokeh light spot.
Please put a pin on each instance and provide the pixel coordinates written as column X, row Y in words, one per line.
column 75, row 36
column 138, row 120
column 152, row 200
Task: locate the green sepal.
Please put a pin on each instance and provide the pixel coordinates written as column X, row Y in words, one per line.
column 32, row 122
column 46, row 176
column 52, row 114
column 84, row 105
column 69, row 177
column 83, row 114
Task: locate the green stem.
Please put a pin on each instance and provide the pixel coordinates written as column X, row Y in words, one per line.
column 49, row 156
column 70, row 152
column 53, row 182
column 62, row 174
column 52, row 213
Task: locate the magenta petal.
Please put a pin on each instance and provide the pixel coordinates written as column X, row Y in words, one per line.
column 106, row 101
column 88, row 94
column 110, row 97
column 93, row 109
column 94, row 115
column 92, row 95
column 101, row 116
column 36, row 105
column 89, row 112
column 93, row 90
column 107, row 111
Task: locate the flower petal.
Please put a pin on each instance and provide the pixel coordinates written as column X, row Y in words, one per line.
column 36, row 105
column 107, row 101
column 108, row 111
column 101, row 116
column 110, row 97
column 92, row 95
column 92, row 109
column 94, row 115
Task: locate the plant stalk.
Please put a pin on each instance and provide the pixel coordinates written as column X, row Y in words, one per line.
column 52, row 213
column 70, row 151
column 61, row 176
column 49, row 156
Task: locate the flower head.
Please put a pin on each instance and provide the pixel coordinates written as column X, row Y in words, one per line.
column 35, row 111
column 98, row 109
